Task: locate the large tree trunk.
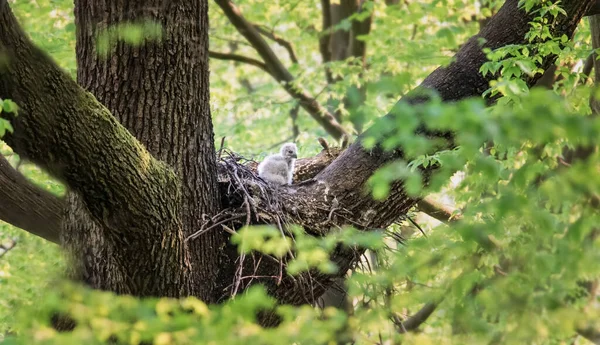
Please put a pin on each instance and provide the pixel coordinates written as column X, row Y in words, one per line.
column 129, row 212
column 160, row 92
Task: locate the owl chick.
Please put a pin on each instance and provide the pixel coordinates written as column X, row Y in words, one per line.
column 278, row 169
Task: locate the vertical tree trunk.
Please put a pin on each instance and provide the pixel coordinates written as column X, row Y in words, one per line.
column 159, row 91
column 341, row 44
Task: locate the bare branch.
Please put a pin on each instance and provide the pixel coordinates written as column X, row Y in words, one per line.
column 286, row 44
column 279, row 72
column 239, row 58
column 440, row 212
column 417, row 319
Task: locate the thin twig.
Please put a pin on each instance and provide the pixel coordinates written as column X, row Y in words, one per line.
column 282, row 42
column 238, row 58
column 221, row 147
column 202, row 231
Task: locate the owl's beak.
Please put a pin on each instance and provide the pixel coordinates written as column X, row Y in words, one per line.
column 294, row 156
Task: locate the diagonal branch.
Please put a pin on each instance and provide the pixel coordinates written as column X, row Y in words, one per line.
column 28, row 207
column 440, row 212
column 279, row 72
column 417, row 319
column 595, row 9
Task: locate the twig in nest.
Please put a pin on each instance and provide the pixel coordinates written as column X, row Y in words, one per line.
column 345, row 141
column 324, row 144
column 417, row 225
column 221, row 148
column 202, row 231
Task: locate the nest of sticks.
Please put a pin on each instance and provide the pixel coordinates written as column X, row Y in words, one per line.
column 247, row 198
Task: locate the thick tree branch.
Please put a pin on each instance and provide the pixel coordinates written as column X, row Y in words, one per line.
column 62, row 128
column 279, row 72
column 337, row 194
column 40, row 134
column 28, row 207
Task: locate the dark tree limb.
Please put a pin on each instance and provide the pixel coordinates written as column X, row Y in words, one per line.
column 279, row 72
column 64, row 129
column 27, row 206
column 595, row 9
column 417, row 319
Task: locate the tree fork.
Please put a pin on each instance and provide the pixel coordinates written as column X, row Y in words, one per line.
column 133, row 196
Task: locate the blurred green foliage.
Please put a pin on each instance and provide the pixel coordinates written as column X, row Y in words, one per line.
column 508, row 273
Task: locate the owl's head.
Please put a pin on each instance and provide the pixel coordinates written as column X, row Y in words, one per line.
column 289, row 151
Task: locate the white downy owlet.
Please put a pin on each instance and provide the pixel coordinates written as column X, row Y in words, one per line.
column 278, row 169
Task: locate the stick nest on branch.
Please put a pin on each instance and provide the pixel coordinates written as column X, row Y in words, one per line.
column 246, row 198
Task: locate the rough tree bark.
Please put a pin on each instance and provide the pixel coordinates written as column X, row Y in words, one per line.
column 135, row 199
column 35, row 209
column 160, row 92
column 143, row 207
